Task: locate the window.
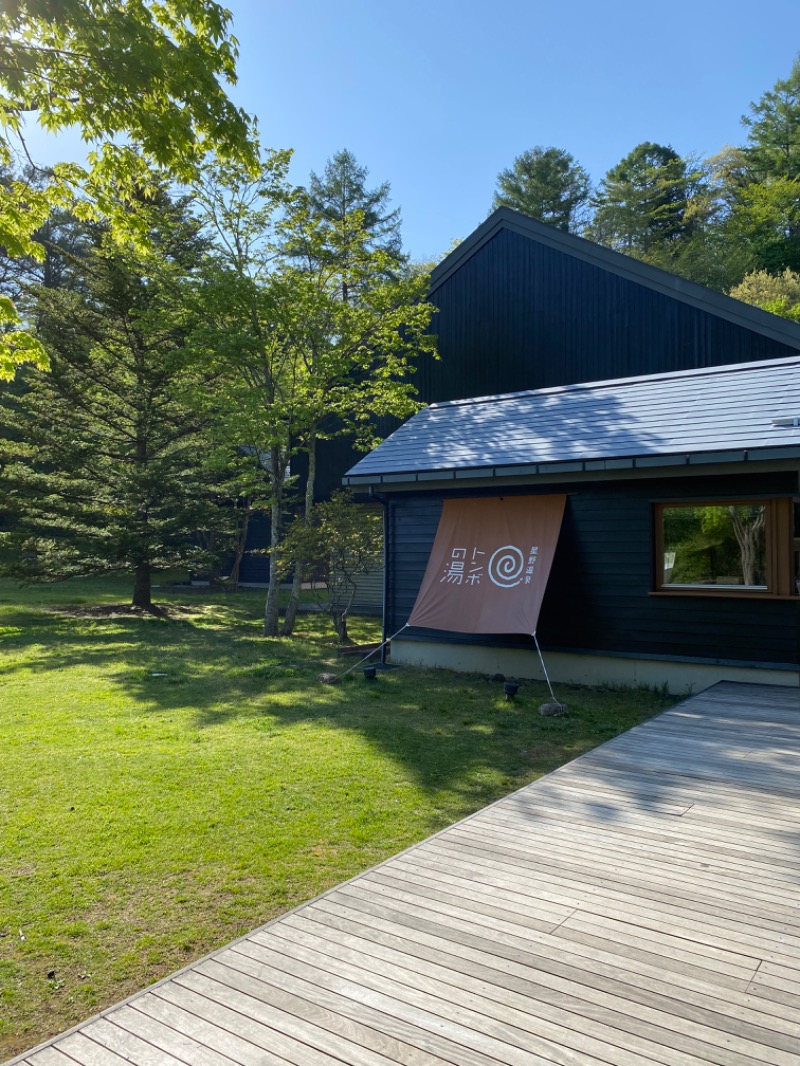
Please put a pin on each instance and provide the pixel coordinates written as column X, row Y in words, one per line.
column 737, row 547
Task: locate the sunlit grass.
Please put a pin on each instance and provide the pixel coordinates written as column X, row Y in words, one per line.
column 167, row 785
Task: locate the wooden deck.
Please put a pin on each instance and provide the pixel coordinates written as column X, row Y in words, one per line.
column 638, row 906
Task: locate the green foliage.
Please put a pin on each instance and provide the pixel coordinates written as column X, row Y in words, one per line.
column 351, row 327
column 340, row 196
column 773, row 126
column 765, row 219
column 716, row 544
column 334, row 545
column 642, row 202
column 103, row 458
column 761, row 184
column 778, row 293
column 312, row 346
column 669, row 212
column 148, row 70
column 547, row 184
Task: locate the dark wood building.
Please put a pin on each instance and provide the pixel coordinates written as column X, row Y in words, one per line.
column 663, row 473
column 524, row 306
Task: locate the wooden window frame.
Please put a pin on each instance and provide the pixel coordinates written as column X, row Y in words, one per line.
column 780, row 548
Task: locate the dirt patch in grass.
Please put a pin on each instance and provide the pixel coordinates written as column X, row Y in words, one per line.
column 169, row 611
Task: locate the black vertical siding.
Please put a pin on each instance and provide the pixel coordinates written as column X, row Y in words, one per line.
column 598, row 597
column 255, row 561
column 521, row 315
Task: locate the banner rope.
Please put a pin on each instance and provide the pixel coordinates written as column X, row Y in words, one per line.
column 374, row 652
column 544, row 668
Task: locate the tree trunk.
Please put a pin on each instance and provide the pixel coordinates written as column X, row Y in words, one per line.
column 142, row 588
column 142, row 582
column 272, row 606
column 214, row 572
column 297, row 579
column 339, row 619
column 241, row 543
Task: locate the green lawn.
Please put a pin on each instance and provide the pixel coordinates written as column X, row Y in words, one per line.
column 167, row 785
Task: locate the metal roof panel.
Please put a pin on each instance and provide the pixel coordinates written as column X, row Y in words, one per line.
column 713, row 410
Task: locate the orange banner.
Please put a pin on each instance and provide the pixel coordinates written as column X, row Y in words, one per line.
column 489, row 565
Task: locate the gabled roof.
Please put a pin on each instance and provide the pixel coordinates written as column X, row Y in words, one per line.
column 724, row 414
column 741, row 314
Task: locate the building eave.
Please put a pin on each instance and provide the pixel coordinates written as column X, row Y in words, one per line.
column 688, row 463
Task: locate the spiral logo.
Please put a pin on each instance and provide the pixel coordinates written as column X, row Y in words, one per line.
column 506, row 566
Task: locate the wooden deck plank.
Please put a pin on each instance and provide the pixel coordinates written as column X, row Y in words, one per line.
column 577, row 843
column 249, row 978
column 685, row 921
column 531, row 947
column 453, row 1007
column 776, row 995
column 229, row 1034
column 646, row 825
column 260, row 1026
column 689, row 826
column 700, row 1001
column 360, row 1031
column 595, row 807
column 628, row 1033
column 727, row 959
column 689, row 864
column 638, row 907
column 82, row 1049
column 132, row 1043
column 686, row 828
column 48, row 1056
column 449, row 859
column 207, row 1011
column 545, row 952
column 546, row 859
column 635, row 783
column 523, row 826
column 562, row 998
column 755, row 931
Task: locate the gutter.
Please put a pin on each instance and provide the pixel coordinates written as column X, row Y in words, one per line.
column 574, row 466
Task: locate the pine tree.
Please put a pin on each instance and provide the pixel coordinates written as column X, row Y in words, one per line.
column 763, row 224
column 353, row 218
column 547, row 184
column 773, row 125
column 642, row 202
column 101, row 459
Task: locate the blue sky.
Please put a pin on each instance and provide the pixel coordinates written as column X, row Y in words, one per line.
column 437, row 97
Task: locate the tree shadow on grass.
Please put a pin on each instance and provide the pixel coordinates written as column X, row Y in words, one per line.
column 214, row 669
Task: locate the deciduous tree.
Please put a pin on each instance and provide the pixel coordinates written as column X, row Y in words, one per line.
column 778, row 293
column 317, row 345
column 151, row 71
column 338, row 542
